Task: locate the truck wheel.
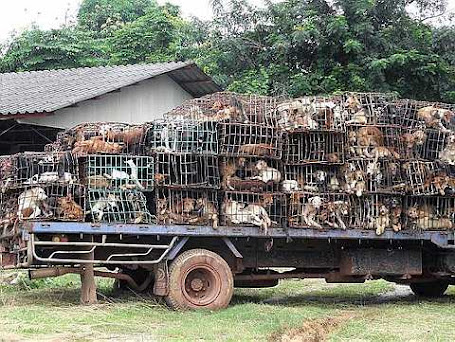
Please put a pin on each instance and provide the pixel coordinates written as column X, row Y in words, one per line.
column 199, row 279
column 430, row 289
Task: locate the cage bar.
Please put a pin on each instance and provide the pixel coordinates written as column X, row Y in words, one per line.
column 370, row 109
column 423, row 114
column 250, row 140
column 314, row 147
column 116, row 206
column 429, row 212
column 377, row 212
column 50, row 202
column 181, row 136
column 314, row 178
column 250, row 174
column 38, row 168
column 187, row 207
column 118, row 172
column 373, row 141
column 187, row 170
column 428, row 178
column 324, row 210
column 124, row 138
column 264, row 210
column 227, row 106
column 311, row 113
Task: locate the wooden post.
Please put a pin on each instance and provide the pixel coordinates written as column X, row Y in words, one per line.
column 88, row 288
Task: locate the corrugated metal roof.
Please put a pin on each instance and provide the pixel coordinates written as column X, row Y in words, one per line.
column 50, row 90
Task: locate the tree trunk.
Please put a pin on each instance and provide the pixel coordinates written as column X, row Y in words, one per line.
column 88, row 288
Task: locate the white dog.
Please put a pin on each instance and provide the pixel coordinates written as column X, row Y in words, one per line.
column 32, row 201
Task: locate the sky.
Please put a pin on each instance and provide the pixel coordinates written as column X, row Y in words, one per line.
column 17, row 15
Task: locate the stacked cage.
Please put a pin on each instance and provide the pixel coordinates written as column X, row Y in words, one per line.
column 372, row 172
column 250, row 164
column 39, row 186
column 115, row 173
column 185, row 146
column 429, row 144
column 313, row 158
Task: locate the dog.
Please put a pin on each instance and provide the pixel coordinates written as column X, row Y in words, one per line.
column 310, row 210
column 68, row 209
column 32, row 203
column 102, row 204
column 266, row 173
column 382, row 221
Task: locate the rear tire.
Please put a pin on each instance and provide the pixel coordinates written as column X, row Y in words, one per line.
column 430, row 289
column 199, row 279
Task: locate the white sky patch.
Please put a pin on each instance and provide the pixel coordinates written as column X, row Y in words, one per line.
column 19, row 15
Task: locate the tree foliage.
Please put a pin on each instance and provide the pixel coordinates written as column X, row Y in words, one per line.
column 291, row 47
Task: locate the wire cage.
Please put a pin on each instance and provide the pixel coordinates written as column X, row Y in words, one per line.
column 377, row 212
column 118, row 172
column 181, row 136
column 228, row 106
column 378, row 176
column 38, row 168
column 263, row 210
column 423, row 114
column 429, row 212
column 439, row 146
column 370, row 109
column 187, row 207
column 321, row 211
column 102, row 137
column 116, row 206
column 314, row 147
column 313, row 178
column 50, row 202
column 187, row 170
column 429, row 178
column 250, row 174
column 371, row 141
column 311, row 113
column 9, row 213
column 250, row 140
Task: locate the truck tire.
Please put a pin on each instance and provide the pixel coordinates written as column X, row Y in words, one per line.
column 430, row 289
column 199, row 279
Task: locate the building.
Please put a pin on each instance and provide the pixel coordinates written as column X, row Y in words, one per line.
column 35, row 105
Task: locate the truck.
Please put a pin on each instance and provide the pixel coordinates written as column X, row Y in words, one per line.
column 191, row 212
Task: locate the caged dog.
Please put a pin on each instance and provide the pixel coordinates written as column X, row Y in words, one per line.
column 436, row 117
column 103, row 205
column 32, row 204
column 68, row 209
column 382, row 221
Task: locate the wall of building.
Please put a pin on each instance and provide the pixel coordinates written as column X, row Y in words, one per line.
column 139, row 103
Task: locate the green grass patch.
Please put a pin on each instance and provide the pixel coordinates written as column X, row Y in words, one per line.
column 49, row 309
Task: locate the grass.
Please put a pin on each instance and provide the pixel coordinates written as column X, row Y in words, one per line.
column 310, row 310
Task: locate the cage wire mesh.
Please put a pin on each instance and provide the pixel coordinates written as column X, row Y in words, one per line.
column 372, row 141
column 370, row 108
column 181, row 136
column 127, row 138
column 324, row 210
column 187, row 207
column 379, row 176
column 227, row 106
column 264, row 210
column 187, row 170
column 314, row 147
column 311, row 113
column 423, row 114
column 50, row 202
column 123, row 172
column 379, row 212
column 429, row 212
column 250, row 174
column 250, row 140
column 114, row 206
column 317, row 178
column 33, row 168
column 428, row 178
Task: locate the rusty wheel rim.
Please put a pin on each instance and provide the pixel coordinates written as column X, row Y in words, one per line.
column 201, row 285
